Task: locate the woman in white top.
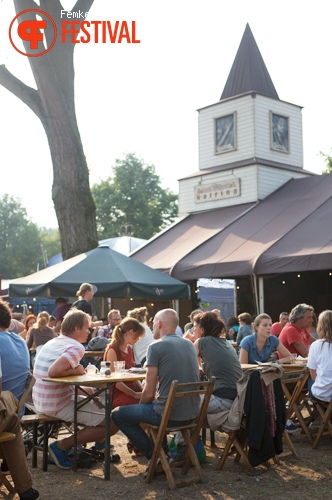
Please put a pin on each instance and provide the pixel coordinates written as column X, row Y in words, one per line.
column 320, row 359
column 140, row 348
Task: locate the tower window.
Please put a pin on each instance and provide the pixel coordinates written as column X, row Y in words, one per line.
column 225, row 133
column 279, row 133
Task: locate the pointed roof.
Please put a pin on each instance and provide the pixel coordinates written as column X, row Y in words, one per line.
column 248, row 73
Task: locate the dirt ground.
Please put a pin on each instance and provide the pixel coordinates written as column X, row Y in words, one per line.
column 309, row 476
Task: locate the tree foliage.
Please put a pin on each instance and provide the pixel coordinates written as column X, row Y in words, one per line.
column 328, row 162
column 53, row 101
column 50, row 241
column 20, row 242
column 132, row 201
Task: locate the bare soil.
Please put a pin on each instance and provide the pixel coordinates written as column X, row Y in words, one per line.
column 309, row 476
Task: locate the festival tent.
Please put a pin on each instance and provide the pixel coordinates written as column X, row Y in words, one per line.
column 112, row 274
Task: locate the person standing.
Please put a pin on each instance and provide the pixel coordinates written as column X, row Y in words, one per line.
column 85, row 293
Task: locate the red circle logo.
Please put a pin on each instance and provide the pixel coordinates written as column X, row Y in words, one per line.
column 32, row 31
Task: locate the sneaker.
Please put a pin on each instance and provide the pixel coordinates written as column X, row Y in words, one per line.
column 101, row 446
column 291, row 428
column 60, row 457
column 30, row 494
column 4, row 467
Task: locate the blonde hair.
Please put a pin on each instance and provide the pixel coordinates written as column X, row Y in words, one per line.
column 85, row 287
column 43, row 319
column 260, row 318
column 324, row 326
column 139, row 313
column 72, row 319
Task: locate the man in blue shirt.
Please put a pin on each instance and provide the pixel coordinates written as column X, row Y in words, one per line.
column 14, row 356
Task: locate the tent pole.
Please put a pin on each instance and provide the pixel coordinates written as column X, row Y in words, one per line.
column 176, row 305
column 254, row 287
column 235, row 299
column 261, row 294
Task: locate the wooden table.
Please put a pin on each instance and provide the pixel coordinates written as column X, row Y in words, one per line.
column 294, row 384
column 102, row 384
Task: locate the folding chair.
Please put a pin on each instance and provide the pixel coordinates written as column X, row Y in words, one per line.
column 232, row 446
column 180, row 390
column 6, row 436
column 325, row 411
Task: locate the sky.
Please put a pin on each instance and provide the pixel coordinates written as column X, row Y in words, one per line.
column 143, row 98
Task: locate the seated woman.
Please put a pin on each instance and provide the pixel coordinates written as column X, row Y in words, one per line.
column 320, row 360
column 262, row 346
column 124, row 336
column 219, row 359
column 40, row 332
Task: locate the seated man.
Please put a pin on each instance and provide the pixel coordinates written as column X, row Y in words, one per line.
column 169, row 358
column 14, row 356
column 61, row 357
column 295, row 336
column 278, row 326
column 13, row 451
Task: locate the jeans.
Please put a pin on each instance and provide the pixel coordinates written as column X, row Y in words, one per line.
column 128, row 418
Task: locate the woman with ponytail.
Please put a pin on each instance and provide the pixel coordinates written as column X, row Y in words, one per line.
column 124, row 336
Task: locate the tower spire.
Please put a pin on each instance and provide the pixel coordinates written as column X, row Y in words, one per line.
column 248, row 73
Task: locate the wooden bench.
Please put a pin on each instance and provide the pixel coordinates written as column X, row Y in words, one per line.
column 6, row 436
column 35, row 420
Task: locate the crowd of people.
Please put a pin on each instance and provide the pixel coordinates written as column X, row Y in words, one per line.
column 205, row 349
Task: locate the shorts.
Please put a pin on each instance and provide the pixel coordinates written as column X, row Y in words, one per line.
column 89, row 415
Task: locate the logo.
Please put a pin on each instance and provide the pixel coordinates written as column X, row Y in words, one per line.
column 159, row 291
column 38, row 31
column 32, row 31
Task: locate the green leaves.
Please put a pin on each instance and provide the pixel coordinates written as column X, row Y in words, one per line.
column 132, row 201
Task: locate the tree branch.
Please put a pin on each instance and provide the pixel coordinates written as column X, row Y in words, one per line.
column 27, row 94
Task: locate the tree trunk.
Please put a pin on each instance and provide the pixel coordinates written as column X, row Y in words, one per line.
column 53, row 102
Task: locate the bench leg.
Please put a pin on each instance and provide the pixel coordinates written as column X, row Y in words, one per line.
column 34, row 444
column 45, row 446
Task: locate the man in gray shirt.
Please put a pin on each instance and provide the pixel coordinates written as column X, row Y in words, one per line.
column 169, row 358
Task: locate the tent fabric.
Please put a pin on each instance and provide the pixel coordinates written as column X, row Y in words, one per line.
column 287, row 231
column 168, row 248
column 121, row 244
column 113, row 275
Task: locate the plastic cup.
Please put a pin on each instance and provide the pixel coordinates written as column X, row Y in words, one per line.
column 119, row 366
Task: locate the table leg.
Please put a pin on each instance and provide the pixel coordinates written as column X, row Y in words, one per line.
column 107, row 465
column 75, row 427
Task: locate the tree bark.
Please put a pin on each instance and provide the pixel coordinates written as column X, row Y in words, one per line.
column 54, row 103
